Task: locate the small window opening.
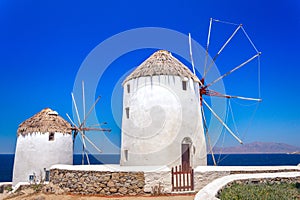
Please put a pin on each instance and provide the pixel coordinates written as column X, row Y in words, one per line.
column 47, row 175
column 128, row 88
column 184, row 85
column 126, row 155
column 194, row 149
column 127, row 112
column 31, row 177
column 51, row 136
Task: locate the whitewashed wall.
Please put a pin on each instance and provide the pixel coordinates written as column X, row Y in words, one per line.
column 158, row 179
column 161, row 115
column 34, row 152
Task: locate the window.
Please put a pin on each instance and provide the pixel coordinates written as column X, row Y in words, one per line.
column 31, row 178
column 51, row 136
column 184, row 85
column 194, row 149
column 127, row 112
column 126, row 155
column 128, row 88
column 47, row 175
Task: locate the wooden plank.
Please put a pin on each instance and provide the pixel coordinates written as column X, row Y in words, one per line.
column 184, row 184
column 172, row 178
column 180, row 177
column 188, row 180
column 176, row 178
column 192, row 179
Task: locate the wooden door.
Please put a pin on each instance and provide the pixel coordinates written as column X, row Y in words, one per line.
column 185, row 157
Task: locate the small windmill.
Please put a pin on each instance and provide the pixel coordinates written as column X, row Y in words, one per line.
column 81, row 127
column 205, row 87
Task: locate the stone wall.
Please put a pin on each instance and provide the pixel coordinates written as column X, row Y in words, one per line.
column 277, row 180
column 126, row 181
column 201, row 179
column 263, row 171
column 98, row 182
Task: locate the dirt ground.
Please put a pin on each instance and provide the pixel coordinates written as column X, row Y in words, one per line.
column 41, row 196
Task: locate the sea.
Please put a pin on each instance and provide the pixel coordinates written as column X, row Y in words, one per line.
column 7, row 160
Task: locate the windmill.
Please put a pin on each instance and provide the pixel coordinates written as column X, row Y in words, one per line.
column 205, row 87
column 81, row 126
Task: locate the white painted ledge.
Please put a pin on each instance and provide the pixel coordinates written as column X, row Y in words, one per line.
column 112, row 168
column 16, row 187
column 244, row 168
column 5, row 183
column 210, row 191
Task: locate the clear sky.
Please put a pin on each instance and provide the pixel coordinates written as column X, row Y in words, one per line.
column 43, row 44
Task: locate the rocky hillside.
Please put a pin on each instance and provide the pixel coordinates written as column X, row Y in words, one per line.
column 259, row 147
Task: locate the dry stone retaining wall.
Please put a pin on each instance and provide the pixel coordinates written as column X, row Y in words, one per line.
column 98, row 182
column 264, row 171
column 201, row 179
column 131, row 183
column 277, row 180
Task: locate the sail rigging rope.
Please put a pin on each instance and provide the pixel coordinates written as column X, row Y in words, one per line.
column 250, row 40
column 225, row 22
column 223, row 138
column 233, row 118
column 258, row 76
column 229, row 107
column 222, row 146
column 250, row 122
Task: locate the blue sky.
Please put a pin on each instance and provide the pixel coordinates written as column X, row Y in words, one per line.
column 43, row 44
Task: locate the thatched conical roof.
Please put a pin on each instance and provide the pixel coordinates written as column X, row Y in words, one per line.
column 161, row 63
column 45, row 121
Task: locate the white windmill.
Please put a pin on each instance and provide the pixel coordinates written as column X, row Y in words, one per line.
column 205, row 87
column 82, row 128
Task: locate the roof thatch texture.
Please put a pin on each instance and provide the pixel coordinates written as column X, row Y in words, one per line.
column 45, row 121
column 161, row 63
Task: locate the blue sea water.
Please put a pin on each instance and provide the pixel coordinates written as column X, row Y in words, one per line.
column 7, row 160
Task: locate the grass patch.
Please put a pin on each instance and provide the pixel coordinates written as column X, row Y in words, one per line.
column 258, row 191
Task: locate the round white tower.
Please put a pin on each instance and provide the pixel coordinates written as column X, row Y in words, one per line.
column 162, row 123
column 43, row 140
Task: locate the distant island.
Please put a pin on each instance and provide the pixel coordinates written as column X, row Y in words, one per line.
column 258, row 148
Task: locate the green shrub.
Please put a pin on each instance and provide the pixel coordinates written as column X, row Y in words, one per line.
column 37, row 187
column 266, row 191
column 8, row 188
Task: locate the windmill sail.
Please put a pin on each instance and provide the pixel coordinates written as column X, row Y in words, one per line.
column 205, row 88
column 81, row 127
